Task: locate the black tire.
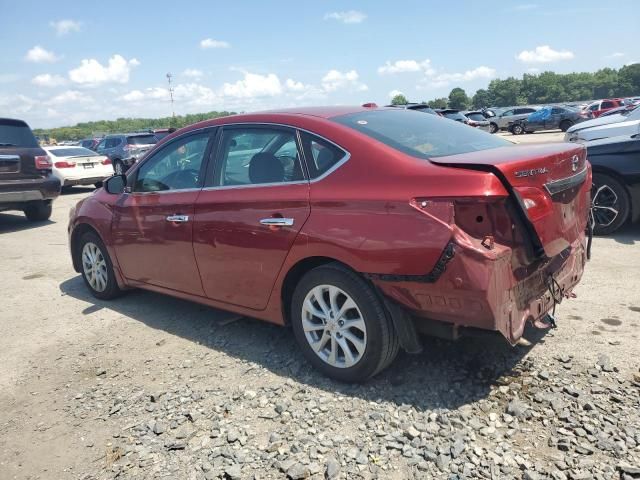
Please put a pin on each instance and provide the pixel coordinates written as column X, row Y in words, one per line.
column 565, row 125
column 517, row 129
column 118, row 167
column 111, row 289
column 609, row 192
column 38, row 211
column 382, row 343
column 493, row 128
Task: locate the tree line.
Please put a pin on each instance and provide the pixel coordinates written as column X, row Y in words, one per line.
column 546, row 87
column 124, row 125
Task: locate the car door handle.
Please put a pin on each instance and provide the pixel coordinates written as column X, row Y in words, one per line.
column 277, row 222
column 177, row 218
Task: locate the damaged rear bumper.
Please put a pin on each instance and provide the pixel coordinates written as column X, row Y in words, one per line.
column 478, row 287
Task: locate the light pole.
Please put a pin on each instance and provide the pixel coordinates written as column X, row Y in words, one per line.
column 173, row 113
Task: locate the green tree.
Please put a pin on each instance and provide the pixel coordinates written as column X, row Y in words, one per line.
column 629, row 78
column 458, row 99
column 481, row 99
column 399, row 99
column 438, row 103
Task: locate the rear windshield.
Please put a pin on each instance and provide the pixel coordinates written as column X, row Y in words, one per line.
column 72, row 152
column 142, row 140
column 423, row 136
column 478, row 117
column 15, row 133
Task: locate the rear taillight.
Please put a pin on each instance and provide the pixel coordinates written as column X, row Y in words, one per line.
column 43, row 162
column 64, row 165
column 537, row 202
column 106, row 161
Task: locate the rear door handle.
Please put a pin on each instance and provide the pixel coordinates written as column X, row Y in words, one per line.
column 277, row 222
column 177, row 218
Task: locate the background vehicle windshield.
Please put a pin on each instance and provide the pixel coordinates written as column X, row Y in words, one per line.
column 142, row 140
column 14, row 133
column 419, row 135
column 72, row 152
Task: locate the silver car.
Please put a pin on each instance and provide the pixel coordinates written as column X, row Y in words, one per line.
column 618, row 125
column 506, row 118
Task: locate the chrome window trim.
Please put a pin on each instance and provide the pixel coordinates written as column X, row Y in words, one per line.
column 338, row 164
column 255, row 185
column 162, row 192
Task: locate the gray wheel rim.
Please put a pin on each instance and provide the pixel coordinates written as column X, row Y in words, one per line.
column 334, row 326
column 604, row 206
column 94, row 266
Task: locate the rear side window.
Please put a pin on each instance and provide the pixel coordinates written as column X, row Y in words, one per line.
column 607, row 105
column 321, row 155
column 16, row 133
column 478, row 117
column 112, row 142
column 142, row 140
column 422, row 136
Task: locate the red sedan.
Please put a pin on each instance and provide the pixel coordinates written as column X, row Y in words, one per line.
column 359, row 227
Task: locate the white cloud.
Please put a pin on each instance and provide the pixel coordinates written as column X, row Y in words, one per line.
column 70, row 96
column 48, row 80
column 193, row 73
column 295, row 86
column 350, row 16
column 154, row 93
column 211, row 43
column 253, row 85
column 616, row 55
column 92, row 73
column 444, row 79
column 544, row 54
column 393, row 93
column 63, row 27
column 404, row 66
column 39, row 55
column 336, row 80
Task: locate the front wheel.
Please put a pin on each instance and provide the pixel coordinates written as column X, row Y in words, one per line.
column 610, row 204
column 97, row 269
column 38, row 211
column 341, row 324
column 493, row 128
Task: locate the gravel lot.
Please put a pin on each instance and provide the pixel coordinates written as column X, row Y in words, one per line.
column 148, row 386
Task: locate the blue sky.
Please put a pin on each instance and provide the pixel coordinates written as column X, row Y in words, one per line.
column 62, row 63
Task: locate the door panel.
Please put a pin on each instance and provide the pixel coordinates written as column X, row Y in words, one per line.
column 258, row 180
column 238, row 257
column 151, row 249
column 153, row 226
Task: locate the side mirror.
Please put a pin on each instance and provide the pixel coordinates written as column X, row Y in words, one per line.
column 115, row 185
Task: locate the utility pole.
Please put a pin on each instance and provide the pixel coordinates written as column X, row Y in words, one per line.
column 173, row 113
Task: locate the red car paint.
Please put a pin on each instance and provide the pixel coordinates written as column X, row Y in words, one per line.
column 383, row 213
column 598, row 108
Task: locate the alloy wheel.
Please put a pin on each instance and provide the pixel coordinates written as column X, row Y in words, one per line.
column 118, row 168
column 334, row 326
column 604, row 206
column 94, row 267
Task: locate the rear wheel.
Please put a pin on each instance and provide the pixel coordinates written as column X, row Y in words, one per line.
column 565, row 125
column 610, row 204
column 118, row 167
column 38, row 211
column 341, row 324
column 517, row 129
column 97, row 269
column 493, row 128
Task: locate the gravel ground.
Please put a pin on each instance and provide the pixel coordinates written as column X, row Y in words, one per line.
column 148, row 386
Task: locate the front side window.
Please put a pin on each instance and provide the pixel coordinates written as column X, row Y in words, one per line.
column 320, row 154
column 251, row 156
column 556, row 111
column 142, row 140
column 175, row 167
column 422, row 136
column 508, row 113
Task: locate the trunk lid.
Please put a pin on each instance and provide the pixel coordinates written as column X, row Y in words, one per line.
column 551, row 183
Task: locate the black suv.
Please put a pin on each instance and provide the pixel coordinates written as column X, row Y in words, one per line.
column 126, row 149
column 26, row 182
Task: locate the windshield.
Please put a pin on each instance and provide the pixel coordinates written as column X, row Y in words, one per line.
column 142, row 140
column 478, row 117
column 72, row 152
column 15, row 133
column 419, row 135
